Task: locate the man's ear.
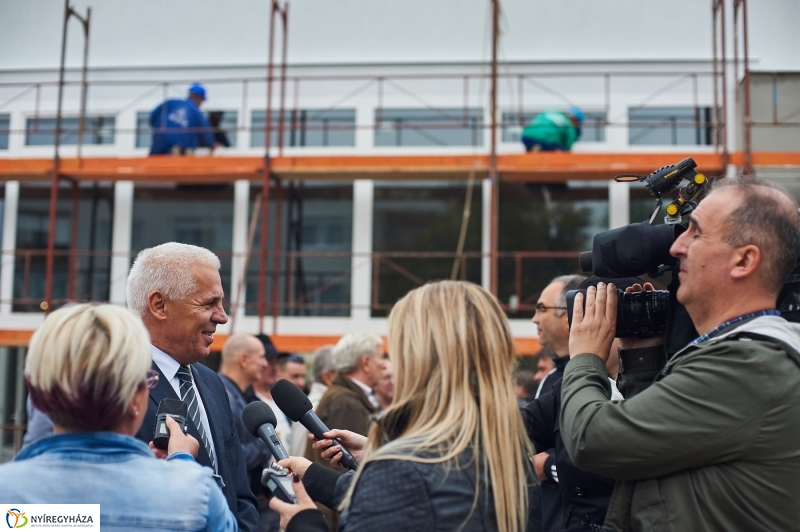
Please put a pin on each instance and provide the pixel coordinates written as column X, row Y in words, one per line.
column 363, row 363
column 157, row 305
column 747, row 261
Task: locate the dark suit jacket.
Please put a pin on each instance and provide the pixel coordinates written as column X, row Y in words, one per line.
column 230, row 461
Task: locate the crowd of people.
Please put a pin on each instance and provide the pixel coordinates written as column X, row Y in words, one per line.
column 607, row 434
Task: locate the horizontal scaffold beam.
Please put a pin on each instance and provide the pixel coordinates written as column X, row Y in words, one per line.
column 532, row 167
column 283, row 342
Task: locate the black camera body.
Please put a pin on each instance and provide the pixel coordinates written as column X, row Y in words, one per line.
column 639, row 314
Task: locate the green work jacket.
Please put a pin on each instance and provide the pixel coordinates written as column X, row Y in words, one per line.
column 714, row 445
column 552, row 127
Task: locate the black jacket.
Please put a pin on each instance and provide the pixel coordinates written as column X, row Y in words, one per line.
column 584, row 496
column 399, row 495
column 230, row 460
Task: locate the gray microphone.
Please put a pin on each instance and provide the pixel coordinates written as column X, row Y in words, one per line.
column 294, row 403
column 260, row 421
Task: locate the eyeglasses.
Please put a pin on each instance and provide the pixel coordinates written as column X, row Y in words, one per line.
column 152, row 379
column 541, row 308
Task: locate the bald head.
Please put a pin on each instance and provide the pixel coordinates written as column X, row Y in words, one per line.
column 243, row 359
column 765, row 216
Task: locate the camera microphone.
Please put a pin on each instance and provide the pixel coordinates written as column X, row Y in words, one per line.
column 260, row 421
column 177, row 410
column 294, row 403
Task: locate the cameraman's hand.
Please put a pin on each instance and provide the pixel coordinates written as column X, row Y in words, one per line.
column 287, row 510
column 354, row 443
column 638, row 343
column 594, row 324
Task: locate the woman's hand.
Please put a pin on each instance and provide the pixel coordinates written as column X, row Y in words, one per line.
column 286, row 510
column 296, row 464
column 353, row 442
column 178, row 441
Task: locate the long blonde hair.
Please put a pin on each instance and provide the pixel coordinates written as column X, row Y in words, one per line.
column 453, row 354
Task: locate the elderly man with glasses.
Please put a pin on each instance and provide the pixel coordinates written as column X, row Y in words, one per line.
column 553, row 330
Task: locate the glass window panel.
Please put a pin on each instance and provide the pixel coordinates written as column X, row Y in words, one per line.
column 92, row 259
column 412, row 217
column 5, row 126
column 97, row 130
column 429, row 127
column 307, row 127
column 671, row 126
column 545, row 217
column 593, row 130
column 316, row 243
column 201, row 215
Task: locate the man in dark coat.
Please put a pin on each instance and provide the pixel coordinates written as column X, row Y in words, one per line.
column 553, row 330
column 177, row 291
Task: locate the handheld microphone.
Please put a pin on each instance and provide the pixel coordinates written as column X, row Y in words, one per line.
column 294, row 403
column 177, row 410
column 260, row 421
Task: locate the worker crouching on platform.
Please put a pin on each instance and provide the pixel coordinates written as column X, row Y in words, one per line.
column 553, row 130
column 179, row 126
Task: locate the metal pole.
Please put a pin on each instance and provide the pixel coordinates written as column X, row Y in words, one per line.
column 748, row 122
column 495, row 199
column 73, row 241
column 724, row 130
column 84, row 83
column 262, row 267
column 276, row 259
column 51, row 233
column 284, row 17
column 715, row 74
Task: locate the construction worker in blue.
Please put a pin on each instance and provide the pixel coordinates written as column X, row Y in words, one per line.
column 178, row 125
column 553, row 130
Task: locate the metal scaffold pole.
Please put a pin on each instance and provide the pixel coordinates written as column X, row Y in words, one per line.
column 493, row 175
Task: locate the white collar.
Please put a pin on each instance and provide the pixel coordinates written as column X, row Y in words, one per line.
column 366, row 389
column 168, row 365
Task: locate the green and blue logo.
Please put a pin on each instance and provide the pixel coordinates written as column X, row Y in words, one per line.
column 19, row 518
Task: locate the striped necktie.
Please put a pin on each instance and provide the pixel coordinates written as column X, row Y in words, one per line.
column 189, row 397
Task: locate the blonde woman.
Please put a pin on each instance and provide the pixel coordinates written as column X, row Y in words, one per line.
column 88, row 369
column 450, row 452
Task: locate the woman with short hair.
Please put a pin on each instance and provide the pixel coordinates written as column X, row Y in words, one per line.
column 88, row 369
column 450, row 452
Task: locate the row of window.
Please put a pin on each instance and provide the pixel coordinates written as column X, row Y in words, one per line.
column 393, row 127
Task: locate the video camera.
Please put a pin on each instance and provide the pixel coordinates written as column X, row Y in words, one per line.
column 643, row 248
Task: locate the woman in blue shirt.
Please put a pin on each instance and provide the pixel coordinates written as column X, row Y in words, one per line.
column 88, row 369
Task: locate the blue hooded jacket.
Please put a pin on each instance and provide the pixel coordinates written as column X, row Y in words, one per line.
column 178, row 123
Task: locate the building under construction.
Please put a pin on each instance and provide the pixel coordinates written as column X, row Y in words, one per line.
column 371, row 150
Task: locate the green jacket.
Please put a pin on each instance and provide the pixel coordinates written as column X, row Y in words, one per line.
column 712, row 446
column 552, row 127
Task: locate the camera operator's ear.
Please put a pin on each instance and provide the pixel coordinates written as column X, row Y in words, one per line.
column 748, row 260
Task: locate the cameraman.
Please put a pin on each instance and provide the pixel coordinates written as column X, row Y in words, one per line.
column 712, row 444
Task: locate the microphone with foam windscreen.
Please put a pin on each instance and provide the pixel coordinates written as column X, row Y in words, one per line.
column 260, row 421
column 294, row 403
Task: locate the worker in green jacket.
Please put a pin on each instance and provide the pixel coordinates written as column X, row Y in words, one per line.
column 553, row 130
column 714, row 443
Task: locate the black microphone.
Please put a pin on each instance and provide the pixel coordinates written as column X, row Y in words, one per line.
column 294, row 403
column 260, row 421
column 177, row 410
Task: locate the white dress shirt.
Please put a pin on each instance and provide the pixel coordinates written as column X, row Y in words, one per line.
column 369, row 392
column 169, row 367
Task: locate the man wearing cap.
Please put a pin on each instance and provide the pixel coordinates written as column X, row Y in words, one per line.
column 179, row 126
column 553, row 130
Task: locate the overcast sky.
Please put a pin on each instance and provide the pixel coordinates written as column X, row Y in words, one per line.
column 234, row 32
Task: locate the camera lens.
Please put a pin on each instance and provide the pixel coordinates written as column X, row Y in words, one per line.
column 642, row 314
